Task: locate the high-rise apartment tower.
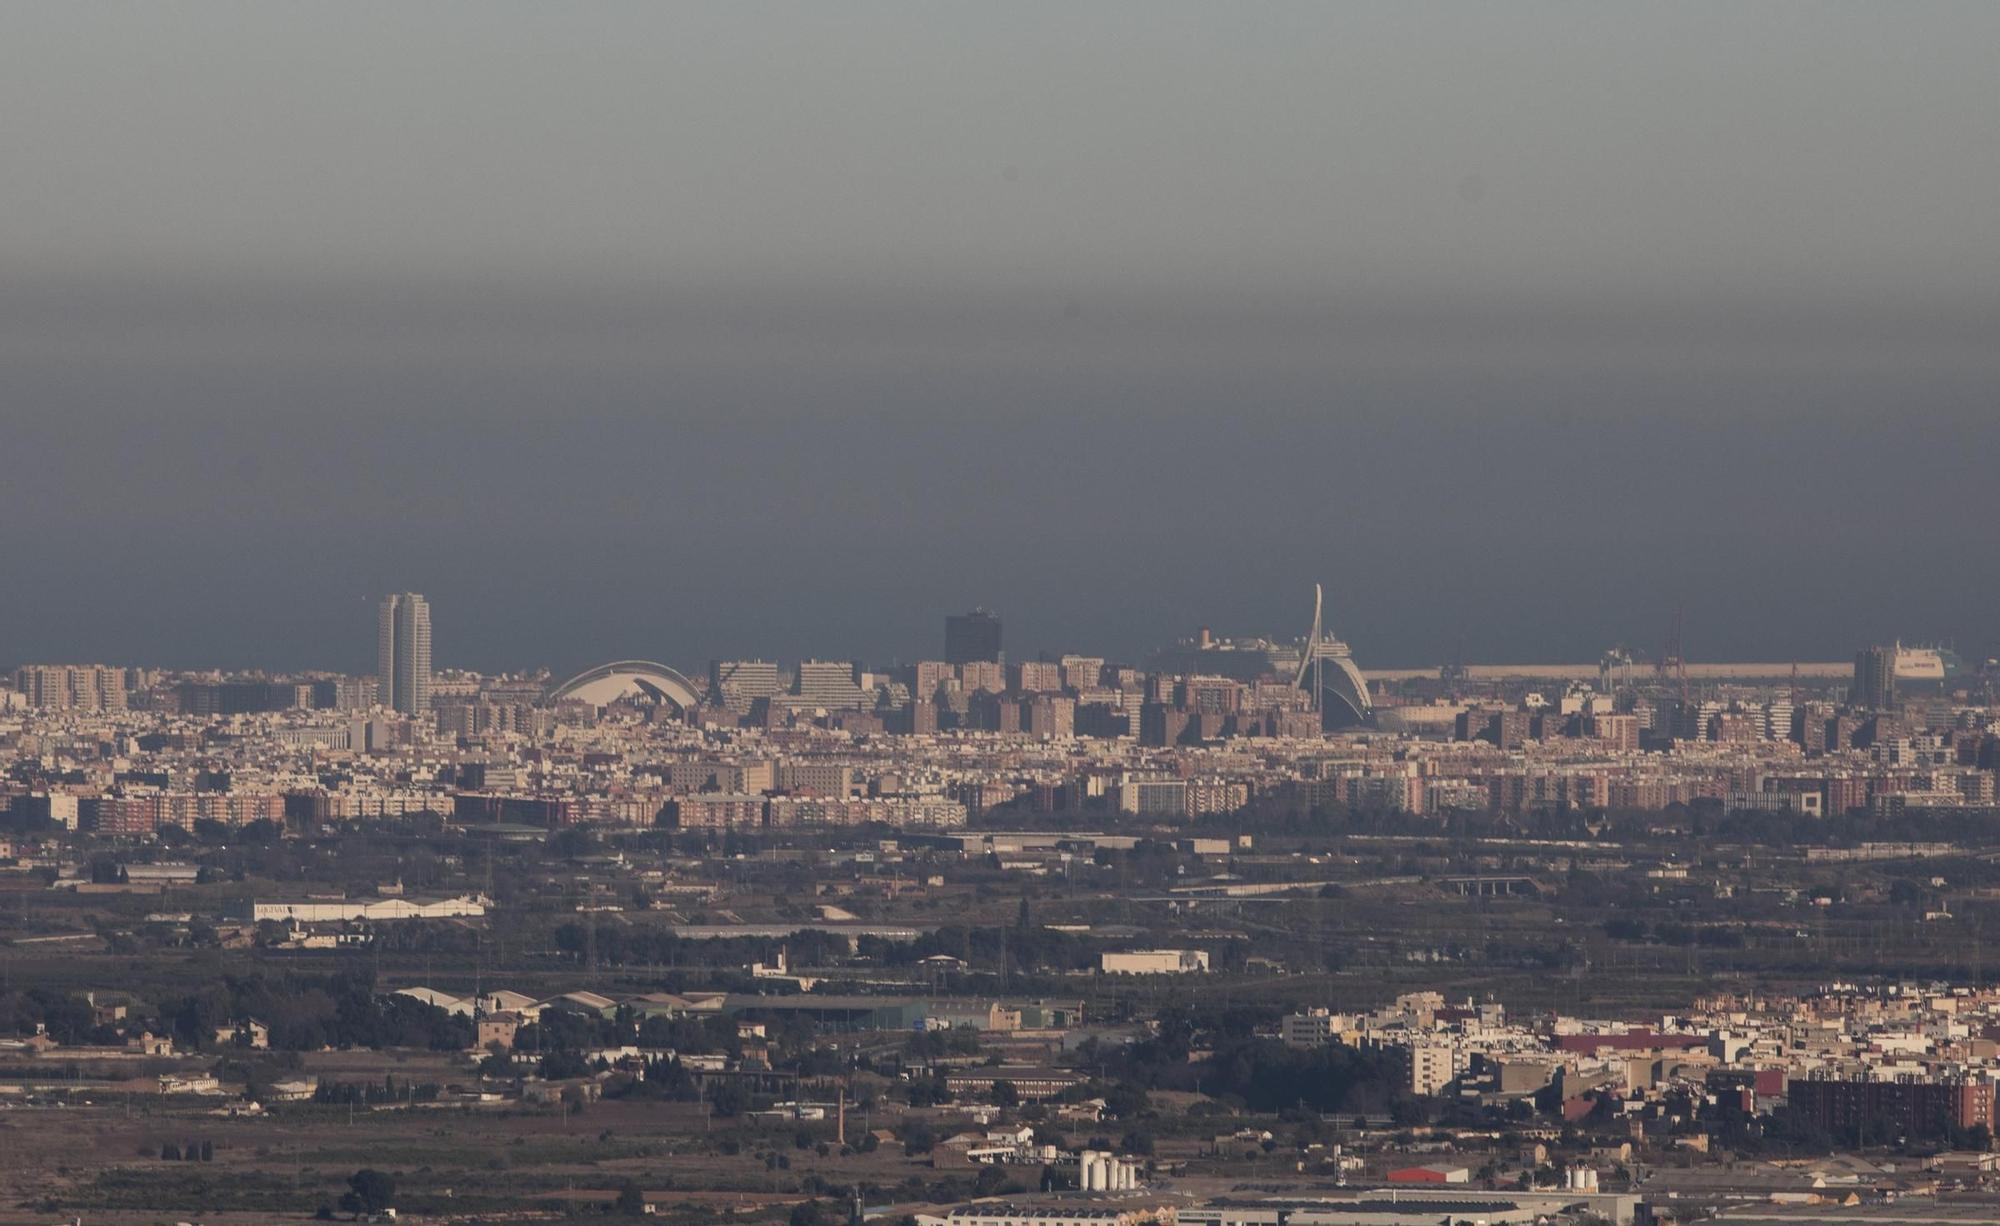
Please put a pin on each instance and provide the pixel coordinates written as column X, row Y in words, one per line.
column 403, row 653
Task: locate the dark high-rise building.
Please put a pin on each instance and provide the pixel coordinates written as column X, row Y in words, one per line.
column 242, row 697
column 1875, row 679
column 970, row 638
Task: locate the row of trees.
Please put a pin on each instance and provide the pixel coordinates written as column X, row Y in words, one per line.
column 365, row 1093
column 304, row 1013
column 192, row 1151
column 1668, row 932
column 1022, row 946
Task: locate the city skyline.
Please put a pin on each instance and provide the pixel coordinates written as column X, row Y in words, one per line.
column 571, row 660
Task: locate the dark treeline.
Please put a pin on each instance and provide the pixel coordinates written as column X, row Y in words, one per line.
column 1259, row 1073
column 1022, row 946
column 1273, row 816
column 1667, row 932
column 304, row 1012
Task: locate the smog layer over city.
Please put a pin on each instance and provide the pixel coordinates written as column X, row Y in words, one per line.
column 1123, row 614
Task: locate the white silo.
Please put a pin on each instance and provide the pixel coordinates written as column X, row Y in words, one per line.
column 1093, row 1173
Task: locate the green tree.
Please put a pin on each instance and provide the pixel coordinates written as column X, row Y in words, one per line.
column 631, row 1200
column 369, row 1191
column 809, row 1213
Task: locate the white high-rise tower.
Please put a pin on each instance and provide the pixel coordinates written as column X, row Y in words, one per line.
column 403, row 653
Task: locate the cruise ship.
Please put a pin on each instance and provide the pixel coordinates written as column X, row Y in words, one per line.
column 1926, row 667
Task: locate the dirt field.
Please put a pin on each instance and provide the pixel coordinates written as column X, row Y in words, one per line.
column 102, row 1163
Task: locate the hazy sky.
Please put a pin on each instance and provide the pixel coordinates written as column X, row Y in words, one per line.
column 784, row 329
